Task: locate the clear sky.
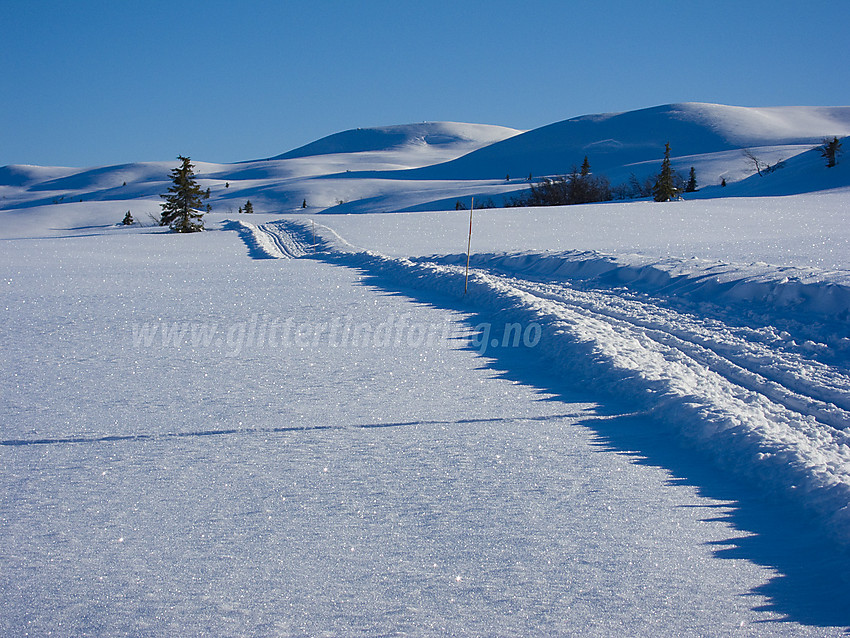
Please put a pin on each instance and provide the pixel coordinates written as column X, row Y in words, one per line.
column 97, row 82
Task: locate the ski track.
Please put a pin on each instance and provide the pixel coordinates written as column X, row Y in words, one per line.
column 800, row 384
column 271, row 240
column 767, row 412
column 284, row 245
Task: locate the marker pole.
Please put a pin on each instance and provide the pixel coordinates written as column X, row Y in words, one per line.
column 468, row 246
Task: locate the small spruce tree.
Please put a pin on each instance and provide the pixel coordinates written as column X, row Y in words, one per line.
column 691, row 186
column 665, row 186
column 128, row 219
column 304, row 204
column 249, row 207
column 182, row 208
column 830, row 151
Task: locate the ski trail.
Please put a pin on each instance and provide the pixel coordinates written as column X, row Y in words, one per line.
column 272, row 241
column 758, row 407
column 772, row 418
column 800, row 384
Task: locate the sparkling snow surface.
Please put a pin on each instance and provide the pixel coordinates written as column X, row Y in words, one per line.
column 297, row 424
column 332, row 483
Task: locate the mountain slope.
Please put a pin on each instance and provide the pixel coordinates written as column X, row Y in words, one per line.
column 614, row 140
column 444, row 135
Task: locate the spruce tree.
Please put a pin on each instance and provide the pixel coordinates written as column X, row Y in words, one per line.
column 182, row 208
column 128, row 219
column 665, row 188
column 691, row 187
column 830, row 151
column 249, row 207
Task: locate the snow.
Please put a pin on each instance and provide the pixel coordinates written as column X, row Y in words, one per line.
column 303, row 489
column 776, row 401
column 810, row 230
column 430, row 166
column 635, row 421
column 442, row 140
column 759, row 126
column 620, row 139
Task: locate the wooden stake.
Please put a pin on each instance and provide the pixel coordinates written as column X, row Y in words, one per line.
column 468, row 246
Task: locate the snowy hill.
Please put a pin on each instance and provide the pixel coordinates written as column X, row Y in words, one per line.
column 433, row 164
column 615, row 140
column 451, row 137
column 802, row 173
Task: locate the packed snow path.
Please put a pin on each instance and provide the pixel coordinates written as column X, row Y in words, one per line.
column 268, row 240
column 769, row 407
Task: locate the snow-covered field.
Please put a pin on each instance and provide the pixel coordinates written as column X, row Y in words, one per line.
column 634, row 423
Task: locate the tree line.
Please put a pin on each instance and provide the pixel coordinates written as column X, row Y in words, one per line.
column 581, row 186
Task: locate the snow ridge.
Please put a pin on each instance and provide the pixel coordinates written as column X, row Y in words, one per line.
column 759, row 404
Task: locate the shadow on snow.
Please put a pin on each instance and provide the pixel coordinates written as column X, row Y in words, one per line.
column 813, row 570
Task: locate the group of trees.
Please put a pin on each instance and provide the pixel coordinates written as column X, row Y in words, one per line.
column 581, row 186
column 668, row 184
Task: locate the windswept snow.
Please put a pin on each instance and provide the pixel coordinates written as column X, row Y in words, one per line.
column 202, row 442
column 763, row 126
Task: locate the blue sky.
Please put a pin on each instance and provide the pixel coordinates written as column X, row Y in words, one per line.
column 104, row 82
